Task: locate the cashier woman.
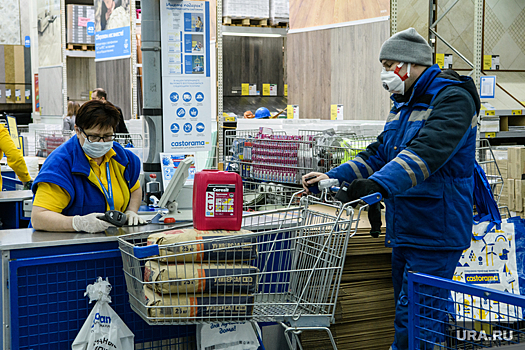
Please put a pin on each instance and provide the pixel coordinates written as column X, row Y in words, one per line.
column 87, row 176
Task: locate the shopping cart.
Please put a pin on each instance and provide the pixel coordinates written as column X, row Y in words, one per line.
column 287, row 269
column 445, row 314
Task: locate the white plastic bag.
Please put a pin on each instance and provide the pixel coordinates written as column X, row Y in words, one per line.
column 227, row 335
column 103, row 329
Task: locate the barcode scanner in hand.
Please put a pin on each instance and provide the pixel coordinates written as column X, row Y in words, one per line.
column 114, row 217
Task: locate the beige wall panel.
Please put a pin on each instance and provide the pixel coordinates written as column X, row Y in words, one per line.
column 50, row 90
column 457, row 28
column 81, row 77
column 356, row 70
column 513, row 82
column 312, row 13
column 505, row 32
column 413, row 13
column 115, row 77
column 309, row 73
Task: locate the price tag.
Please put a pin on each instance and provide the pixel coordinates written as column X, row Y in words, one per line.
column 490, row 112
column 516, row 112
column 490, row 135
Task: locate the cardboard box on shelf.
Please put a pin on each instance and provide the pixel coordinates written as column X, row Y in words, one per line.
column 509, row 121
column 489, row 124
column 512, row 189
column 516, row 162
column 518, row 194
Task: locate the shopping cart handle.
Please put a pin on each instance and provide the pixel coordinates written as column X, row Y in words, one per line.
column 372, row 198
column 147, row 251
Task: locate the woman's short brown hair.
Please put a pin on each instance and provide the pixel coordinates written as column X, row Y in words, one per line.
column 97, row 113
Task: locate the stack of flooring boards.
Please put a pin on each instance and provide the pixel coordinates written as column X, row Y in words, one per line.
column 365, row 306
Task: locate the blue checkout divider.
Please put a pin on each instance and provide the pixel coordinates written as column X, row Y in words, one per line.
column 48, row 306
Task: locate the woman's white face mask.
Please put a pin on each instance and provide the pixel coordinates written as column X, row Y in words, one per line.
column 96, row 149
column 392, row 81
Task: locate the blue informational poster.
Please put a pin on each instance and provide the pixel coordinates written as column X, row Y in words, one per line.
column 111, row 30
column 186, row 86
column 112, row 44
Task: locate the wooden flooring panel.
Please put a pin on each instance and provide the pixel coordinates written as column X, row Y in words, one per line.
column 81, row 76
column 356, row 70
column 309, row 73
column 9, row 62
column 50, row 90
column 312, row 13
column 253, row 60
column 115, row 77
column 2, row 93
column 27, row 65
column 18, row 52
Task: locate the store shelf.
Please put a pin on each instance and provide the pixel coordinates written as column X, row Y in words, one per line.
column 78, row 53
column 254, row 31
column 503, row 134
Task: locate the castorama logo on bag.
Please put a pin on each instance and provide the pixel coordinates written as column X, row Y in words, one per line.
column 104, row 321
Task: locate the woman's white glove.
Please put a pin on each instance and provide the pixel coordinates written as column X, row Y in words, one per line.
column 134, row 219
column 90, row 223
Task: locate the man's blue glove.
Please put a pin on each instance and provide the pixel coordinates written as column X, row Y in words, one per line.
column 364, row 187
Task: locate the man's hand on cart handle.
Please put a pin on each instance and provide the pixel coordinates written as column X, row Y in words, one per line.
column 312, row 178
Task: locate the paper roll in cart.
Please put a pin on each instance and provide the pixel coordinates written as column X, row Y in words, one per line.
column 284, row 266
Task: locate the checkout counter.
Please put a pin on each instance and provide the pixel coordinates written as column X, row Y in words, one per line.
column 45, row 275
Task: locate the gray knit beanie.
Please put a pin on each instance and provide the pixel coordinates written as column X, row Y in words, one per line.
column 407, row 46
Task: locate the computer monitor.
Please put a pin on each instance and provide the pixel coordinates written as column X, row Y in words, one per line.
column 169, row 198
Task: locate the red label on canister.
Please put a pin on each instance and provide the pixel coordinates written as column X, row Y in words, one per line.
column 217, row 201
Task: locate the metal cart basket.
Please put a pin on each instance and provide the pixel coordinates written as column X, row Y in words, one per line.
column 286, row 269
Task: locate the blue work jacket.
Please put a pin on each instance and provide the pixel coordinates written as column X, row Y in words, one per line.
column 424, row 159
column 68, row 167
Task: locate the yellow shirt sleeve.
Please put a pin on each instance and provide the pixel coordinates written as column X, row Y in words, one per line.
column 135, row 186
column 15, row 159
column 51, row 197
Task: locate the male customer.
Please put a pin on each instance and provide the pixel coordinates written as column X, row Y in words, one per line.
column 100, row 94
column 422, row 163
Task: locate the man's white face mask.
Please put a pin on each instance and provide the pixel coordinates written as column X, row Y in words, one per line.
column 393, row 82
